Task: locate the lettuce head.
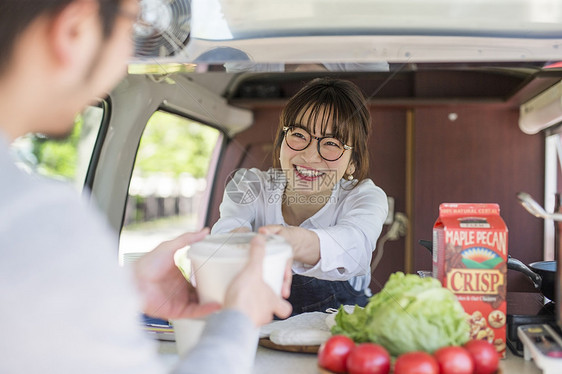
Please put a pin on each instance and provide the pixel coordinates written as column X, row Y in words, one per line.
column 409, row 314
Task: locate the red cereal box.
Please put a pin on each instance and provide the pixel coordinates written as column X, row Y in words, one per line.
column 469, row 258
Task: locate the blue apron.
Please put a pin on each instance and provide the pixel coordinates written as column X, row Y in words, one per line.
column 316, row 295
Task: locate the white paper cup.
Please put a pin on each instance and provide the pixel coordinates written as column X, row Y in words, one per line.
column 187, row 333
column 217, row 259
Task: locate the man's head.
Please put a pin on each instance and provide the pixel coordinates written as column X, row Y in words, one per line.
column 16, row 15
column 58, row 55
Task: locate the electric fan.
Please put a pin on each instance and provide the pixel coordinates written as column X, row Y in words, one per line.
column 163, row 28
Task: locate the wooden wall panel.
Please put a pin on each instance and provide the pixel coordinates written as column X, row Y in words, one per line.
column 480, row 157
column 387, row 164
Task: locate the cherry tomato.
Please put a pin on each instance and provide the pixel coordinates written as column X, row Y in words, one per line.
column 454, row 360
column 368, row 358
column 416, row 363
column 332, row 354
column 486, row 358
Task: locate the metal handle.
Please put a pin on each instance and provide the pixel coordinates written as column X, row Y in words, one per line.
column 427, row 244
column 515, row 264
column 535, row 208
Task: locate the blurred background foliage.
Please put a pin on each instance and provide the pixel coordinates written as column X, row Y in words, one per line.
column 58, row 158
column 173, row 145
column 170, row 145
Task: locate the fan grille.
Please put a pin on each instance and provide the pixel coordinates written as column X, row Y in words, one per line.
column 163, row 29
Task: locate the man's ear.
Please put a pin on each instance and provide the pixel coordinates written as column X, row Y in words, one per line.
column 74, row 32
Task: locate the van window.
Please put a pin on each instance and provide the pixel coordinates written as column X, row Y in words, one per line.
column 67, row 158
column 167, row 193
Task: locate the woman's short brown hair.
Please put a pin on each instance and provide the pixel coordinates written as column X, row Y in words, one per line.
column 335, row 101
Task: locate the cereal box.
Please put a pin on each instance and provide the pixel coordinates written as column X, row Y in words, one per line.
column 469, row 258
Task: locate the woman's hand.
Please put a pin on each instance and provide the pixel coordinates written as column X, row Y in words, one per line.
column 305, row 243
column 166, row 292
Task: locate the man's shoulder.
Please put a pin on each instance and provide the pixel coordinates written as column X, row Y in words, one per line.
column 43, row 203
column 34, row 191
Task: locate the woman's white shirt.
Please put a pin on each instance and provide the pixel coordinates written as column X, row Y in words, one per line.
column 348, row 225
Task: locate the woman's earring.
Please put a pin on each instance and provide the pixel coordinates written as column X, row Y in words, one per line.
column 350, row 177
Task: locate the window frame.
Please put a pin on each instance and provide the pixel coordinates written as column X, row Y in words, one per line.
column 214, row 161
column 105, row 105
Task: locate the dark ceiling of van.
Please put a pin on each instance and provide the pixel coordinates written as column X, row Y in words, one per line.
column 408, row 84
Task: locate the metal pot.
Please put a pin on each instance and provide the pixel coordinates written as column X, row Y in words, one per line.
column 541, row 273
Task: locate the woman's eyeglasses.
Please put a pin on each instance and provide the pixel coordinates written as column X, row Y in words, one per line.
column 329, row 148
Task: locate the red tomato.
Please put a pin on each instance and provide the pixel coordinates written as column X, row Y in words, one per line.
column 486, row 358
column 454, row 360
column 332, row 354
column 368, row 358
column 416, row 363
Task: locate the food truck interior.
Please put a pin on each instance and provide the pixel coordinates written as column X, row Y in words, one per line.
column 463, row 111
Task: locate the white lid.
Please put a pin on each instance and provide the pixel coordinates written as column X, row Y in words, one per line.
column 236, row 245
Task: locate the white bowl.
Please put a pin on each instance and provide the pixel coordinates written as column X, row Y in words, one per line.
column 217, row 259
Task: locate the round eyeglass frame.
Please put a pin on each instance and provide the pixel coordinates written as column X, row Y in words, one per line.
column 318, row 140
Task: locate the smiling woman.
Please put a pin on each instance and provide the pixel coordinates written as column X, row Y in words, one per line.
column 317, row 196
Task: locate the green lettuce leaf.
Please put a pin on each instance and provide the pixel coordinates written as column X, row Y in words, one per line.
column 351, row 324
column 409, row 314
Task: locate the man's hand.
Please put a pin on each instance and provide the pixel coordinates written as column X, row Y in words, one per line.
column 250, row 294
column 165, row 291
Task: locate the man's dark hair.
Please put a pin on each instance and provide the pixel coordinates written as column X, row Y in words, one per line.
column 17, row 15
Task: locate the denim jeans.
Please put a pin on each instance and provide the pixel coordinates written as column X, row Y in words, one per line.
column 316, row 295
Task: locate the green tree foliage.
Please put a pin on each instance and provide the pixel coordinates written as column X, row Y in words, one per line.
column 58, row 158
column 174, row 145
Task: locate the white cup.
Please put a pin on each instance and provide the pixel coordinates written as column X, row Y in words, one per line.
column 217, row 259
column 187, row 333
